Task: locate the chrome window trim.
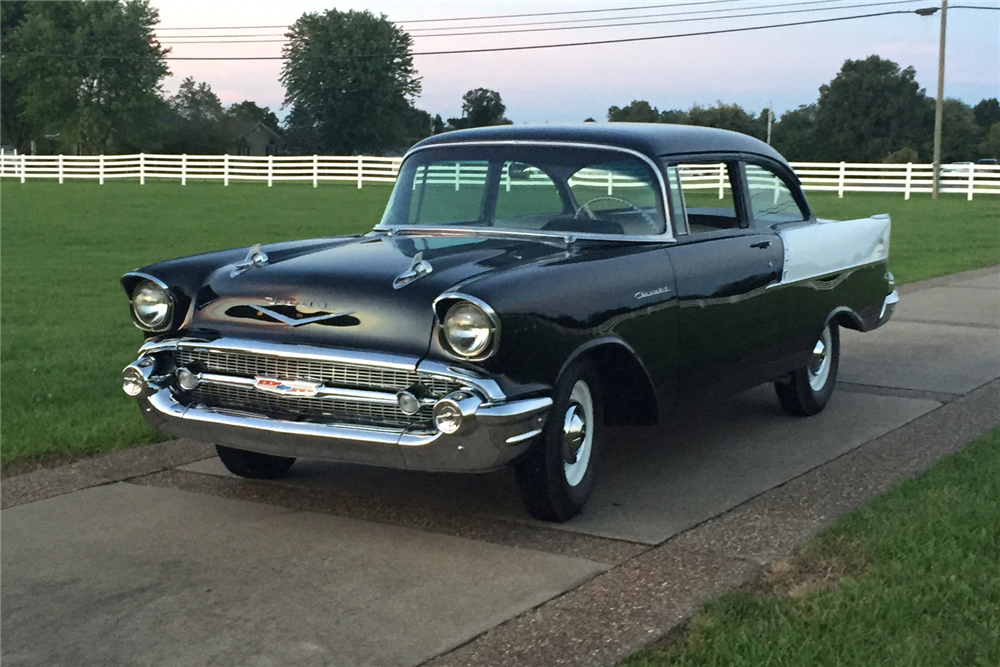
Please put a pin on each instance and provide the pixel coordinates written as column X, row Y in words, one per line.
column 486, row 308
column 666, row 235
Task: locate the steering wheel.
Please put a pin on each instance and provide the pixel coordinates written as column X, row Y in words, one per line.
column 585, row 208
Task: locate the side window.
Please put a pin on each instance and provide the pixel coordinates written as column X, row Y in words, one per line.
column 527, row 197
column 621, row 195
column 707, row 190
column 771, row 201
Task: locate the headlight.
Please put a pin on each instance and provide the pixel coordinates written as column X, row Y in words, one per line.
column 152, row 306
column 469, row 331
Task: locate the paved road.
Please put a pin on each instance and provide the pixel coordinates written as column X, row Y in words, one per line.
column 157, row 556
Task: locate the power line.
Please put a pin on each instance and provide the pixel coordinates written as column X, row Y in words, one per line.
column 617, row 25
column 530, row 24
column 497, row 16
column 533, row 47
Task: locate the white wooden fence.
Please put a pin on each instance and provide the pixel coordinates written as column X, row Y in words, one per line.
column 839, row 177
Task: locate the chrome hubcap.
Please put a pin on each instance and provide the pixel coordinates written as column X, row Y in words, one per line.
column 574, row 433
column 819, row 364
column 578, row 434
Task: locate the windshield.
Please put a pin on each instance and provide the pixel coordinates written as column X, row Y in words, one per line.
column 528, row 188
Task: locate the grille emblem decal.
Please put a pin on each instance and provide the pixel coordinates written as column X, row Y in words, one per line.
column 287, row 387
column 293, row 322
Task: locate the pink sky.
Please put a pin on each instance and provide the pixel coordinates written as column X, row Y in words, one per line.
column 785, row 65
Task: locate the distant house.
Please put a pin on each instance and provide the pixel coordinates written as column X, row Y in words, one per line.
column 256, row 138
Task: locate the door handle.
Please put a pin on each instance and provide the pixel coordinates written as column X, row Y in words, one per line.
column 761, row 244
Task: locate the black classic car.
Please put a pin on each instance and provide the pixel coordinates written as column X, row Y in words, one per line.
column 525, row 287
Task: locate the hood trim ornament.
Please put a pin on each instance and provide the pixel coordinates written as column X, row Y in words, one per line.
column 418, row 269
column 255, row 257
column 292, row 322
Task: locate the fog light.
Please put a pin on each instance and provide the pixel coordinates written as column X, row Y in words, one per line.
column 408, row 403
column 133, row 383
column 447, row 417
column 186, row 380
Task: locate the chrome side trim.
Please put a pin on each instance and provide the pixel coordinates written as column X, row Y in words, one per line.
column 668, row 232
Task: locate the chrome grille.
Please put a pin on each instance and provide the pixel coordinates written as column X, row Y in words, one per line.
column 245, row 399
column 329, row 373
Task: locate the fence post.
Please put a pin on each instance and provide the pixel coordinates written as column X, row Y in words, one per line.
column 225, row 169
column 100, row 169
column 60, row 168
column 315, row 170
column 270, row 170
column 360, row 170
column 184, row 164
column 24, row 167
column 840, row 181
column 909, row 179
column 611, row 184
column 722, row 179
column 142, row 168
column 506, row 177
column 972, row 181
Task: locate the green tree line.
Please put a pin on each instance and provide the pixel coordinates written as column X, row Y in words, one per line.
column 86, row 77
column 872, row 111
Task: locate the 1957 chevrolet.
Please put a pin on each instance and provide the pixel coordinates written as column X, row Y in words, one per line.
column 525, row 286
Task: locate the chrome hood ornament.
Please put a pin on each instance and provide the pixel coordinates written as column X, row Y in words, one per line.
column 418, row 269
column 255, row 257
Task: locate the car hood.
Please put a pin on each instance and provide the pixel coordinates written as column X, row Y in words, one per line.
column 342, row 293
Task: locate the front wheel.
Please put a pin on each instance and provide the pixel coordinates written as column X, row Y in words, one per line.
column 806, row 391
column 253, row 465
column 557, row 475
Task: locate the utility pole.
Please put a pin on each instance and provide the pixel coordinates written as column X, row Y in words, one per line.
column 938, row 107
column 770, row 119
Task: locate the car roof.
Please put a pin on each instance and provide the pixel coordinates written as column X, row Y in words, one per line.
column 651, row 139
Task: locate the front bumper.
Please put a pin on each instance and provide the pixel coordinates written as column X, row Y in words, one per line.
column 495, row 430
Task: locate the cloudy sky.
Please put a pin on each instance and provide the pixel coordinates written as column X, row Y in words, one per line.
column 784, row 66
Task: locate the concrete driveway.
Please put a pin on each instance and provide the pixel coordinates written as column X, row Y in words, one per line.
column 157, row 556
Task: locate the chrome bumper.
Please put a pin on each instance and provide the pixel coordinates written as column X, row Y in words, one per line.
column 494, row 430
column 888, row 307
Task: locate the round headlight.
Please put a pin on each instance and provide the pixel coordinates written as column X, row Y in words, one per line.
column 468, row 329
column 151, row 306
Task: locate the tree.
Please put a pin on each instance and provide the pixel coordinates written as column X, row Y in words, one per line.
column 198, row 124
column 350, row 80
column 987, row 112
column 990, row 146
column 438, row 125
column 248, row 112
column 727, row 117
column 794, row 135
column 87, row 73
column 870, row 109
column 483, row 107
column 960, row 134
column 638, row 111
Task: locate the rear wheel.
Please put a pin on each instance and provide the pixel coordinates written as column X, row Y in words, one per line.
column 806, row 391
column 253, row 465
column 557, row 475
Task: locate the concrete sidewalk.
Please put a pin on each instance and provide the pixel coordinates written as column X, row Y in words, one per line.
column 156, row 556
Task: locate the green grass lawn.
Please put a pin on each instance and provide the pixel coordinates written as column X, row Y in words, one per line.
column 66, row 330
column 915, row 582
